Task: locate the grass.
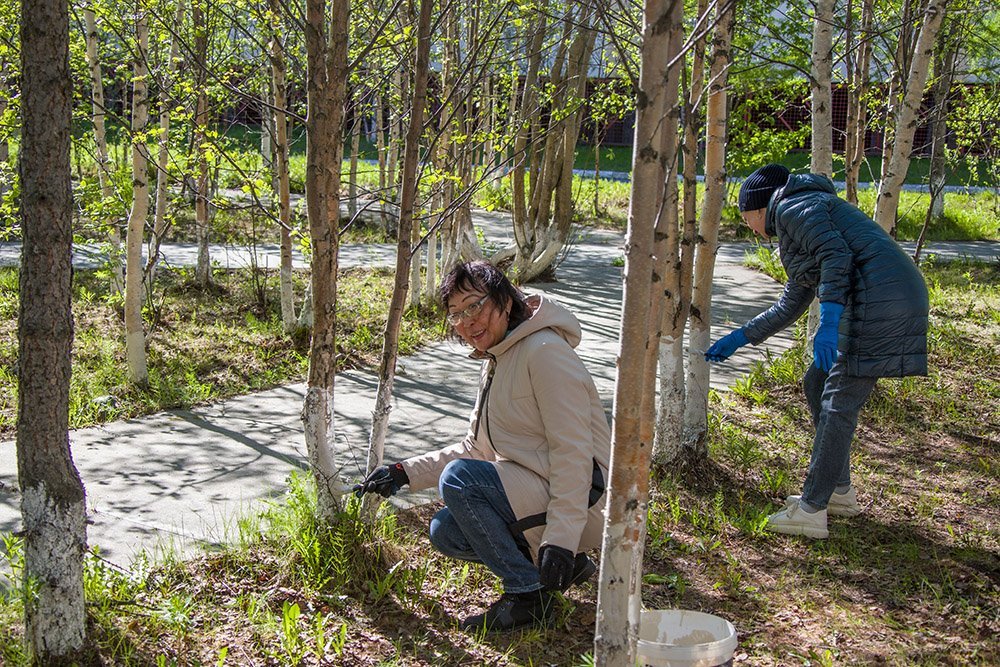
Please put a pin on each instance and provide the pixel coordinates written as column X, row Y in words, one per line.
column 914, row 580
column 766, row 260
column 601, row 204
column 972, row 170
column 203, row 345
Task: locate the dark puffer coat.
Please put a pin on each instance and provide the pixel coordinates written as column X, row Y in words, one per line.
column 831, row 249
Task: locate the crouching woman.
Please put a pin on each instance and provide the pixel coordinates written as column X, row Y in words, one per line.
column 524, row 491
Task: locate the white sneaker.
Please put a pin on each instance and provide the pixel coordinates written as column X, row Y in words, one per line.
column 841, row 504
column 793, row 520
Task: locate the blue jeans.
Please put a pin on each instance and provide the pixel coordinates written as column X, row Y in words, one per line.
column 473, row 525
column 835, row 399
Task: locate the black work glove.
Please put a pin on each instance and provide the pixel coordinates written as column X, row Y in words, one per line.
column 384, row 480
column 555, row 567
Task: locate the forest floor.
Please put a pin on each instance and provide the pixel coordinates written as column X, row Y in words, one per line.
column 914, row 580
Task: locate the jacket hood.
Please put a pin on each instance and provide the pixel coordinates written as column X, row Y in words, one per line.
column 546, row 314
column 796, row 183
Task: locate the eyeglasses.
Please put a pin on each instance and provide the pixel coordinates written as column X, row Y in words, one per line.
column 456, row 318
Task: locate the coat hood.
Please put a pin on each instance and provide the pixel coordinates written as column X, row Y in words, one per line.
column 546, row 314
column 796, row 183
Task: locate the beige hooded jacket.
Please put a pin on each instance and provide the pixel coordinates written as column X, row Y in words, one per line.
column 542, row 425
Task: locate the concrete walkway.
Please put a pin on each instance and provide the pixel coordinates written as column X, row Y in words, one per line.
column 179, row 480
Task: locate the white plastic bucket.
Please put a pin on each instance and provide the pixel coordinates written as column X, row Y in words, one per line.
column 681, row 638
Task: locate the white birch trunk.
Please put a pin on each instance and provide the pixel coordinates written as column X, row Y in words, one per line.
column 318, row 431
column 135, row 339
column 101, row 146
column 544, row 233
column 163, row 155
column 670, row 415
column 414, row 295
column 352, row 185
column 201, row 222
column 395, row 119
column 267, row 130
column 894, row 173
column 280, row 98
column 326, row 86
column 430, row 273
column 489, row 148
column 698, row 379
column 408, row 196
column 858, row 61
column 820, row 84
column 382, row 167
column 523, row 234
column 513, row 109
column 628, row 493
column 669, row 440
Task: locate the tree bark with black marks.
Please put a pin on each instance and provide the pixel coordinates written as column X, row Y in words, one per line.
column 906, row 116
column 632, row 438
column 135, row 336
column 404, row 250
column 326, row 86
column 699, row 337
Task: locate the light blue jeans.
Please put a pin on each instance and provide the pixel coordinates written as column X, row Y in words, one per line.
column 835, row 399
column 474, row 524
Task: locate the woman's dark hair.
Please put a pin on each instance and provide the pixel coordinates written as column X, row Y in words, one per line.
column 481, row 276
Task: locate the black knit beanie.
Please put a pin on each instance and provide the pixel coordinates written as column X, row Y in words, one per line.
column 758, row 187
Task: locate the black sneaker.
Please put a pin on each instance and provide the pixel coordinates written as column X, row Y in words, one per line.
column 583, row 569
column 513, row 611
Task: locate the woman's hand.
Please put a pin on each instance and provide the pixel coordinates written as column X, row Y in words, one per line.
column 384, row 480
column 826, row 337
column 555, row 569
column 724, row 348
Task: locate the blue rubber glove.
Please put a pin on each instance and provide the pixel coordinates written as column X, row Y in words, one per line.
column 825, row 340
column 724, row 348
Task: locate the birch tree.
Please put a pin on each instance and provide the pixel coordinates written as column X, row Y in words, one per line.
column 821, row 89
column 542, row 223
column 945, row 61
column 101, row 143
column 699, row 336
column 628, row 494
column 821, row 112
column 326, row 90
column 667, row 270
column 404, row 251
column 53, row 507
column 135, row 337
column 6, row 177
column 906, row 116
column 858, row 59
column 279, row 93
column 163, row 149
column 199, row 26
column 900, row 64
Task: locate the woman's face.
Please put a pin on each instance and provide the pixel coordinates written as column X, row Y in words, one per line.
column 756, row 220
column 480, row 323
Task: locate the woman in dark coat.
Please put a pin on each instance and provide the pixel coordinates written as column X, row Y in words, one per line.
column 873, row 323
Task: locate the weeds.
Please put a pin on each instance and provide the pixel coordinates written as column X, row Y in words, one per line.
column 765, row 259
